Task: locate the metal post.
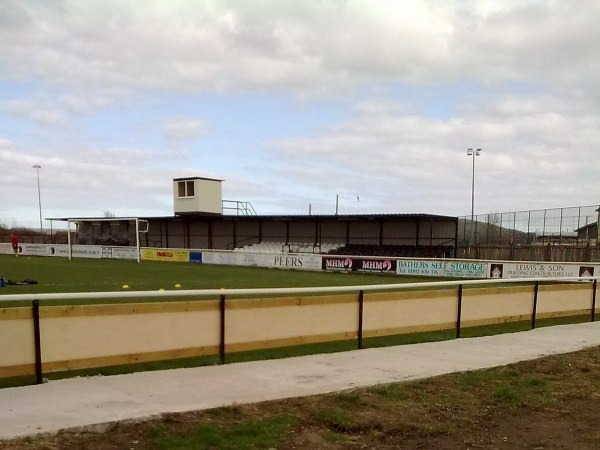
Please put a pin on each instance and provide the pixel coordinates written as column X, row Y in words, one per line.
column 69, row 239
column 137, row 238
column 473, row 190
column 459, row 310
column 500, row 233
column 473, row 153
column 514, row 227
column 578, row 224
column 560, row 226
column 37, row 167
column 222, row 329
column 595, row 286
column 39, row 377
column 598, row 227
column 535, row 300
column 544, row 228
column 361, row 303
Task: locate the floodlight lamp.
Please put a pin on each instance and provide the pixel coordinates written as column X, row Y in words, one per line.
column 469, row 151
column 477, row 152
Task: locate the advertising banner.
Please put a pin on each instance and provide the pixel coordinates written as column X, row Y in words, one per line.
column 119, row 252
column 442, row 268
column 337, row 263
column 34, row 249
column 541, row 270
column 358, row 264
column 297, row 261
column 60, row 250
column 283, row 260
column 86, row 251
column 151, row 254
column 77, row 251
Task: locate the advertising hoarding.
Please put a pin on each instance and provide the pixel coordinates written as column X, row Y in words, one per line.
column 152, row 254
column 541, row 270
column 358, row 264
column 273, row 260
column 442, row 268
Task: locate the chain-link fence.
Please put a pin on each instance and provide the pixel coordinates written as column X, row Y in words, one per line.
column 575, row 226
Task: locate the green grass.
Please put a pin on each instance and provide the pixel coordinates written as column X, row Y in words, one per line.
column 338, row 420
column 256, row 434
column 394, row 392
column 58, row 275
column 349, row 400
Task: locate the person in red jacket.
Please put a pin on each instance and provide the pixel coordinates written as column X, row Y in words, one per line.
column 15, row 244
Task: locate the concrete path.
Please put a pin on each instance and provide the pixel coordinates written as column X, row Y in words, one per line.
column 84, row 402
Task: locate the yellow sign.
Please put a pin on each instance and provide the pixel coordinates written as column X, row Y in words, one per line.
column 160, row 254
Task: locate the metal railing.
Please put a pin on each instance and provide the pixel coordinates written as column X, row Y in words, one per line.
column 222, row 294
column 238, row 208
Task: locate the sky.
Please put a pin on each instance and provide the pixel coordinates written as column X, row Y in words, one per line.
column 293, row 103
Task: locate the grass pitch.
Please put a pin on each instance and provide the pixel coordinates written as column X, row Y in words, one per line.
column 87, row 275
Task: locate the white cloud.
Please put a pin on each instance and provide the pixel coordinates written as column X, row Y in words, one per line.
column 88, row 180
column 41, row 112
column 184, row 129
column 533, row 157
column 98, row 75
column 189, row 45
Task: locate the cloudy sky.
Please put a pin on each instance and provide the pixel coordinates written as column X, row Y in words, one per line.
column 295, row 102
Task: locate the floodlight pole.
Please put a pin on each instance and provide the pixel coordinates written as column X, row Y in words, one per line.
column 37, row 167
column 473, row 153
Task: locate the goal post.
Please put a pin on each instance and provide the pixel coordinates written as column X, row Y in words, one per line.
column 106, row 231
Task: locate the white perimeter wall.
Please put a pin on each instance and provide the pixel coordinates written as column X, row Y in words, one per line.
column 448, row 268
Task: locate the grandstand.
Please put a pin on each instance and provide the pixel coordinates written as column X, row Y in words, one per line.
column 199, row 223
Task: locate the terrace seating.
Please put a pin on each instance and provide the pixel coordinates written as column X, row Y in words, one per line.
column 290, row 247
column 262, row 247
column 399, row 251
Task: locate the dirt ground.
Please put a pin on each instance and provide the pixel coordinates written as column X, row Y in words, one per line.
column 550, row 403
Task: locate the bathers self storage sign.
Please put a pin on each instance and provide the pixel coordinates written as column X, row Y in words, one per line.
column 355, row 264
column 432, row 268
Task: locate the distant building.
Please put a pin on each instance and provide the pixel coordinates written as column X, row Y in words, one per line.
column 588, row 233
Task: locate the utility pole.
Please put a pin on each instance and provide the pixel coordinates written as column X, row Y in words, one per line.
column 37, row 167
column 473, row 153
